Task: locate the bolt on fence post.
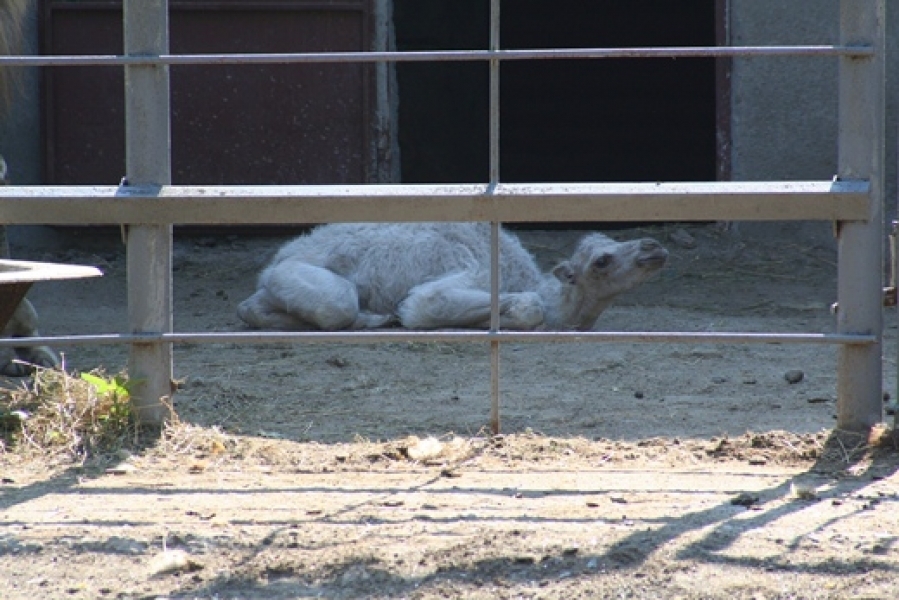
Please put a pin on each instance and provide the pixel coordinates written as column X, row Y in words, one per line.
column 149, row 247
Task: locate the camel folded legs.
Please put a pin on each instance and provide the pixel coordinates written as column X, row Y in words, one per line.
column 299, row 296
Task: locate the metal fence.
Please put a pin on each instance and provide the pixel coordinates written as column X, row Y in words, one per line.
column 149, row 205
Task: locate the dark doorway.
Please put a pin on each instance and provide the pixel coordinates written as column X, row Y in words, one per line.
column 562, row 120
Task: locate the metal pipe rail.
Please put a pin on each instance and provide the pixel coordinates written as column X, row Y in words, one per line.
column 504, row 202
column 853, row 51
column 378, row 337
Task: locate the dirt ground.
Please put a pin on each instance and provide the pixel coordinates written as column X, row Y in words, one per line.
column 623, row 470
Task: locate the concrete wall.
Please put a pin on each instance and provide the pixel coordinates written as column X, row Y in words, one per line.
column 20, row 130
column 785, row 109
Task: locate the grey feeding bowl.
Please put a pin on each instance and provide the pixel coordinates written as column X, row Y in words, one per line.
column 17, row 276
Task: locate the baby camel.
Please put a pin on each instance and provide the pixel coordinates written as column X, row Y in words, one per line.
column 437, row 275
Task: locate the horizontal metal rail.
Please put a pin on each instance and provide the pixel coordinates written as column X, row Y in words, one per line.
column 377, row 337
column 506, row 202
column 436, row 56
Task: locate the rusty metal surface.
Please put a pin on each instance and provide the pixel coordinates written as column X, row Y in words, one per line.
column 231, row 124
column 11, row 294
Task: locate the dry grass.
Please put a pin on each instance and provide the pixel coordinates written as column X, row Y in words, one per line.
column 74, row 418
column 58, row 415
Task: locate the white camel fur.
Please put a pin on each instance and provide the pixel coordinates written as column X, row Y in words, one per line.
column 437, row 275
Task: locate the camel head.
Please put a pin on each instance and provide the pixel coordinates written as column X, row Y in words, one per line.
column 599, row 271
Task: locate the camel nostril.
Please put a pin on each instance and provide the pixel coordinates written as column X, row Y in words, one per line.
column 649, row 245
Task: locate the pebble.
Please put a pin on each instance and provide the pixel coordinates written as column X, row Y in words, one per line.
column 803, row 491
column 419, row 449
column 794, row 376
column 121, row 469
column 744, row 499
column 173, row 561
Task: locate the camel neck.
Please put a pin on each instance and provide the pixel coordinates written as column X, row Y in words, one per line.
column 567, row 308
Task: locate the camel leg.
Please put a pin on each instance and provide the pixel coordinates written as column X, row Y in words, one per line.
column 448, row 303
column 261, row 311
column 299, row 296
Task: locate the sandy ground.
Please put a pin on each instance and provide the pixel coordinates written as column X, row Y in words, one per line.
column 623, row 471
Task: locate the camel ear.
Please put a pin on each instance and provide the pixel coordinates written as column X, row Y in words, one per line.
column 564, row 273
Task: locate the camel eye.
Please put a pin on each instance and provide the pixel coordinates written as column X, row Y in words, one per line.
column 603, row 261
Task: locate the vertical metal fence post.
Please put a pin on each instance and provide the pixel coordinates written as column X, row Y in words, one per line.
column 494, row 226
column 384, row 150
column 861, row 147
column 148, row 161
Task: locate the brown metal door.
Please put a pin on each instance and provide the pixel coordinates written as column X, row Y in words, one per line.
column 231, row 124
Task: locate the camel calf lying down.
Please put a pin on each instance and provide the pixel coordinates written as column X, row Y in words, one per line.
column 437, row 275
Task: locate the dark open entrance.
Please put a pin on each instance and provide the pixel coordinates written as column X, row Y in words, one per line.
column 562, row 120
